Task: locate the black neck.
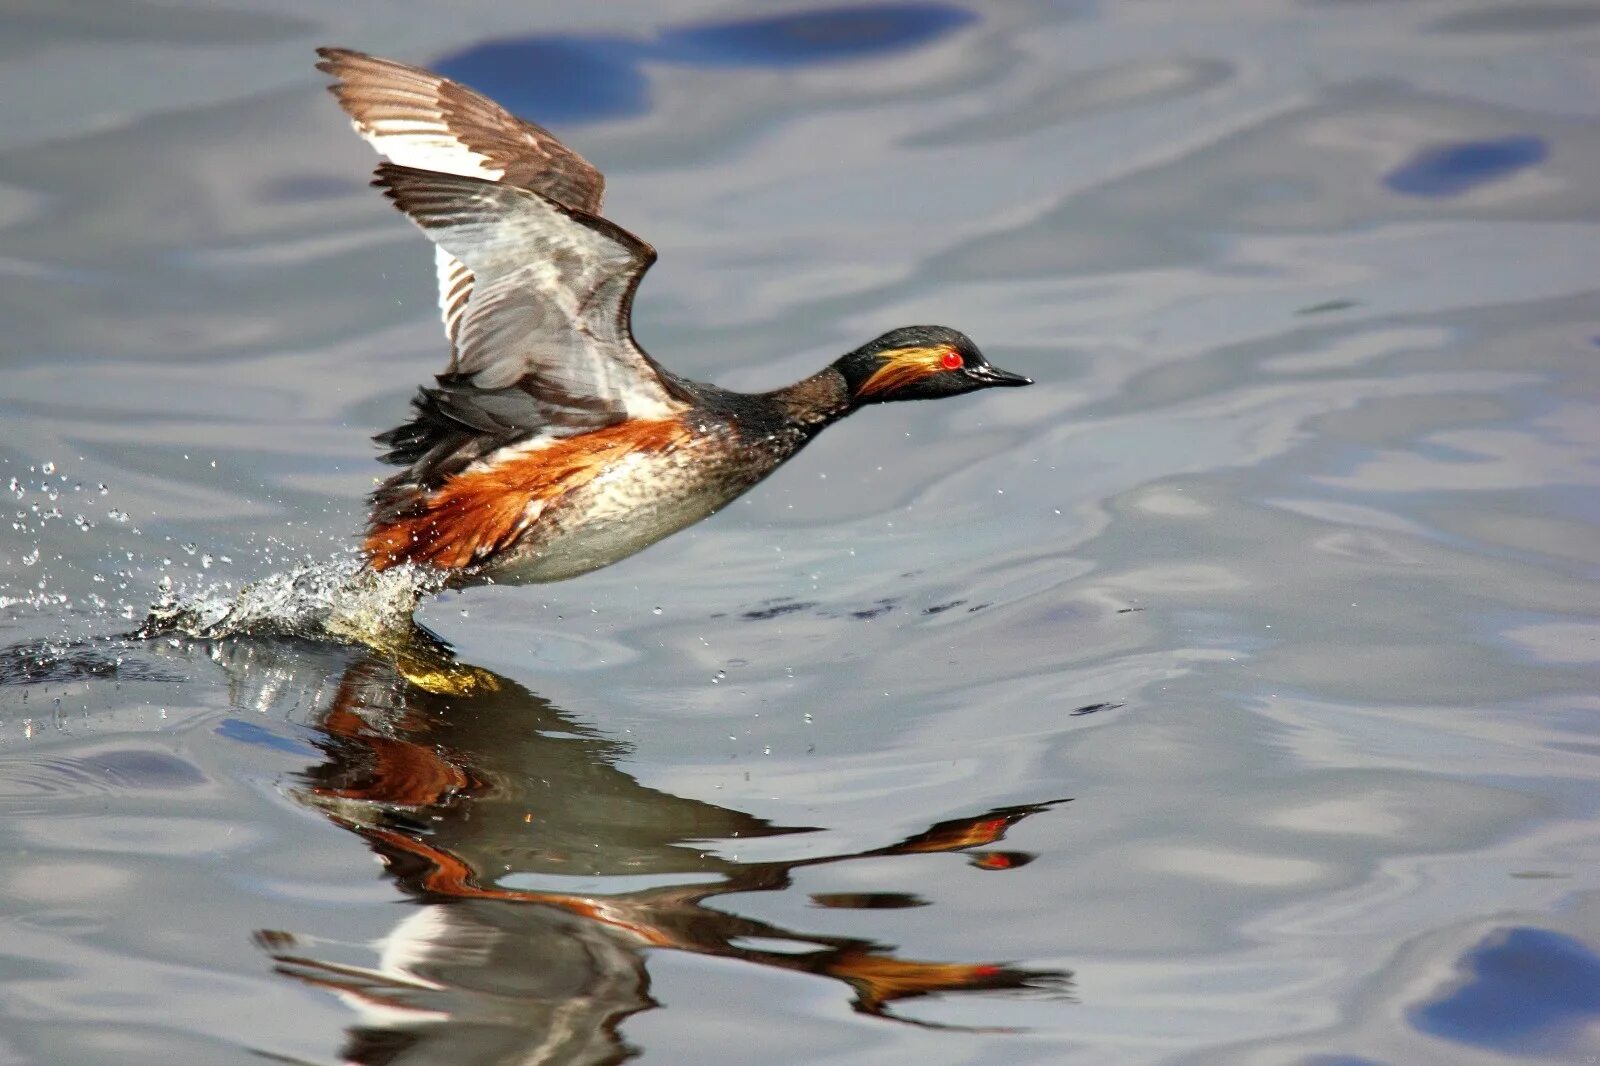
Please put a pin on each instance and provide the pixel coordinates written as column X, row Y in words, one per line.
column 816, row 401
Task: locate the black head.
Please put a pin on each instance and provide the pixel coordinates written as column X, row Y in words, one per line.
column 920, row 363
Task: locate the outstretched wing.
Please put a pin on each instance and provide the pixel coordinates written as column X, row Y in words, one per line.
column 550, row 310
column 416, row 118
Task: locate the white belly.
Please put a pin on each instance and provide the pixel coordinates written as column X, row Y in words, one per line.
column 635, row 503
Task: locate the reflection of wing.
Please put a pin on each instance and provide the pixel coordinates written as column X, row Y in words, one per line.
column 551, row 302
column 418, row 119
column 463, row 982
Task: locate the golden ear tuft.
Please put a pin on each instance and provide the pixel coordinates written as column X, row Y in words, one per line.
column 902, row 366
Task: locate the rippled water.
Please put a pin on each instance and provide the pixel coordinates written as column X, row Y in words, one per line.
column 1228, row 697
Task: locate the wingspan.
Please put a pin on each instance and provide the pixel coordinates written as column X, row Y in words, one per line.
column 416, row 118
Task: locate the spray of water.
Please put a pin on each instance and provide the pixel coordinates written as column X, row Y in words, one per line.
column 339, row 600
column 336, row 598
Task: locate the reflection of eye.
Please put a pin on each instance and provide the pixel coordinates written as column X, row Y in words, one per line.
column 951, row 360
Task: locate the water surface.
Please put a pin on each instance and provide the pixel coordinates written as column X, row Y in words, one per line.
column 1227, row 697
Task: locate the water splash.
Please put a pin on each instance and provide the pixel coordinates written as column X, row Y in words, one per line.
column 338, row 600
column 332, row 599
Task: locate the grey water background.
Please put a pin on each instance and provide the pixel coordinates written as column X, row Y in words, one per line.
column 1284, row 575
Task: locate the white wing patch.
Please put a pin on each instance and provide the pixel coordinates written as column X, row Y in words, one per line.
column 416, row 142
column 455, row 288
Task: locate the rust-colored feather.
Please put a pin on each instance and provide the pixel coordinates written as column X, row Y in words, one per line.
column 881, row 979
column 482, row 511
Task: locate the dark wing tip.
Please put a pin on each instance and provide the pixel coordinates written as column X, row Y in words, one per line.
column 433, row 199
column 351, row 68
column 387, row 173
column 393, row 177
column 333, row 59
column 397, row 180
column 402, row 184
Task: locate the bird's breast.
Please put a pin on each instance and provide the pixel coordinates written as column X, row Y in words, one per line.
column 638, row 498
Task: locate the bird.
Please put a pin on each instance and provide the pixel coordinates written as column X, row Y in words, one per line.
column 552, row 444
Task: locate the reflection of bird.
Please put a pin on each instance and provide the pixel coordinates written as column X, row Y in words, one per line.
column 553, row 445
column 543, row 875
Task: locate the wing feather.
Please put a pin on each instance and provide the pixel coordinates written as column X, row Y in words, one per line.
column 551, row 305
column 455, row 289
column 420, row 119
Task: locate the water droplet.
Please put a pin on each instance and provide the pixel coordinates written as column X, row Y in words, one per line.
column 463, row 612
column 31, row 558
column 104, row 488
column 117, row 516
column 206, row 561
column 767, row 750
column 47, row 468
column 654, row 610
column 190, row 548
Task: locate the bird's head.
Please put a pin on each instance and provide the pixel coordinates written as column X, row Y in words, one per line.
column 920, row 363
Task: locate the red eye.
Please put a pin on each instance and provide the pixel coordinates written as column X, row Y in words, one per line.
column 951, row 360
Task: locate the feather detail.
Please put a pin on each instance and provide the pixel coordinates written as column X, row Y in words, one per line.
column 552, row 301
column 490, row 506
column 901, row 367
column 417, row 118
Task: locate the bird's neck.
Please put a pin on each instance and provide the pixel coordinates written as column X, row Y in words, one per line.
column 816, row 401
